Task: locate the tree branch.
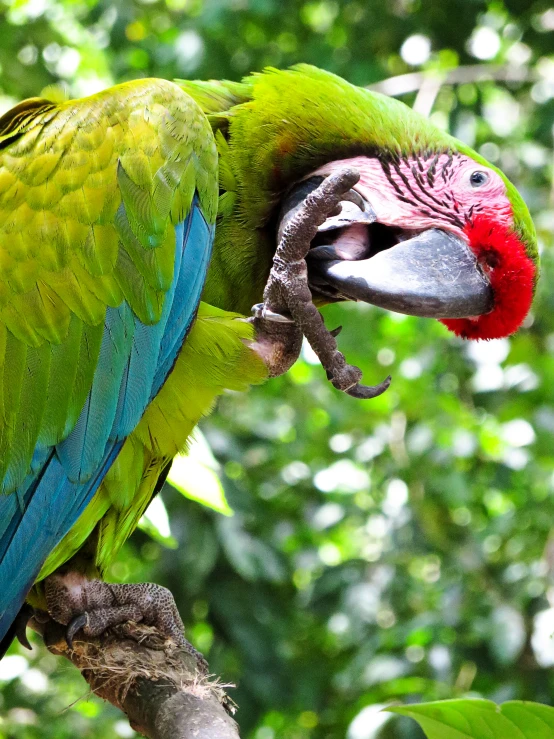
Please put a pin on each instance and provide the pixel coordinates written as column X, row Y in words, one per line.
column 163, row 689
column 413, row 81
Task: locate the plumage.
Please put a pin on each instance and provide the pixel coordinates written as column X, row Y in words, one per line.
column 82, row 343
column 107, row 217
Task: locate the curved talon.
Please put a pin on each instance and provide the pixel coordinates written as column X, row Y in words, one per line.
column 353, row 196
column 336, row 331
column 21, row 634
column 260, row 311
column 20, row 625
column 366, row 392
column 288, row 289
column 74, row 626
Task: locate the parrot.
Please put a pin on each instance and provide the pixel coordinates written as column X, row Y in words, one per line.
column 140, row 225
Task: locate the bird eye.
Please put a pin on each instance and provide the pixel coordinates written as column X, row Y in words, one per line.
column 478, row 178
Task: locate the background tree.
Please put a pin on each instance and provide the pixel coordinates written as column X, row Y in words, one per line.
column 395, row 550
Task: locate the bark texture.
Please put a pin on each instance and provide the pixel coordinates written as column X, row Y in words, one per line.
column 162, row 688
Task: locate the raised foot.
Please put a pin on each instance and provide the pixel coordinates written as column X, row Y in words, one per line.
column 93, row 606
column 288, row 312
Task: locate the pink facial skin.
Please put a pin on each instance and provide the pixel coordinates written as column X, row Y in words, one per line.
column 433, row 193
column 437, row 192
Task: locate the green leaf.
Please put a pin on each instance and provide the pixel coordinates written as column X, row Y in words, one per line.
column 155, row 523
column 196, row 476
column 480, row 719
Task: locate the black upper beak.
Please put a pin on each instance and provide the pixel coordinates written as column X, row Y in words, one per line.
column 433, row 274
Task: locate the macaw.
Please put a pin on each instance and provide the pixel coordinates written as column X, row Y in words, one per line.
column 120, row 324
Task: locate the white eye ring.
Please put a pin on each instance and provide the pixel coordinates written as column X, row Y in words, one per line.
column 478, row 178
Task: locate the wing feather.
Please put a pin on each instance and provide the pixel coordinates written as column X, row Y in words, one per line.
column 107, row 207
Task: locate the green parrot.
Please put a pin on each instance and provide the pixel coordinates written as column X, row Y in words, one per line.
column 120, row 325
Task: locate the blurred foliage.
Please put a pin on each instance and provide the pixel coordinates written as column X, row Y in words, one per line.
column 395, row 550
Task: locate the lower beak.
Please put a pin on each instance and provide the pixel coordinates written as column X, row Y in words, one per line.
column 433, row 274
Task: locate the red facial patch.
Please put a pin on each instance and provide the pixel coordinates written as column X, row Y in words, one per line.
column 510, row 271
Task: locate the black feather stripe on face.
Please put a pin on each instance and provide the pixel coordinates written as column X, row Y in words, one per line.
column 414, row 180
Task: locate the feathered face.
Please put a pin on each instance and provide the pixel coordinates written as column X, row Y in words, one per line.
column 429, row 236
column 430, row 229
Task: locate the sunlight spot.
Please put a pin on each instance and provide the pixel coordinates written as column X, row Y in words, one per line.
column 464, row 443
column 123, row 729
column 68, row 62
column 488, row 356
column 411, row 368
column 516, row 459
column 339, row 623
column 420, row 439
column 294, row 472
column 35, row 681
column 369, row 449
column 342, row 477
column 12, row 666
column 367, row 724
column 541, row 639
column 327, row 515
column 28, row 54
column 545, row 21
column 439, row 658
column 484, row 43
column 329, row 554
column 519, row 54
column 308, row 354
column 189, row 49
column 265, row 733
column 416, row 50
column 520, row 376
column 340, row 443
column 518, row 432
column 488, row 378
column 396, row 497
column 490, row 151
column 386, row 356
column 156, row 513
column 90, row 85
column 501, row 112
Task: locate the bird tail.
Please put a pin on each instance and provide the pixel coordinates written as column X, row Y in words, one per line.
column 33, row 520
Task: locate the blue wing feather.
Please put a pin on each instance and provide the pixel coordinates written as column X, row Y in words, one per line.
column 187, row 293
column 81, row 452
column 54, row 504
column 135, row 360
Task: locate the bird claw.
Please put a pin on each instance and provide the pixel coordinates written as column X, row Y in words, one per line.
column 346, row 377
column 287, row 295
column 95, row 606
column 366, row 392
column 20, row 625
column 75, row 625
column 260, row 310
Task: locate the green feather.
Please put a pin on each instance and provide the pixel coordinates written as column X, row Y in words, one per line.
column 90, row 194
column 279, row 126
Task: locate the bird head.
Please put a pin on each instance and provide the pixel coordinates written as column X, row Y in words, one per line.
column 431, row 229
column 430, row 235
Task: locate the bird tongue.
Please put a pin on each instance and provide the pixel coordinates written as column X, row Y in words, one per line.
column 349, row 244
